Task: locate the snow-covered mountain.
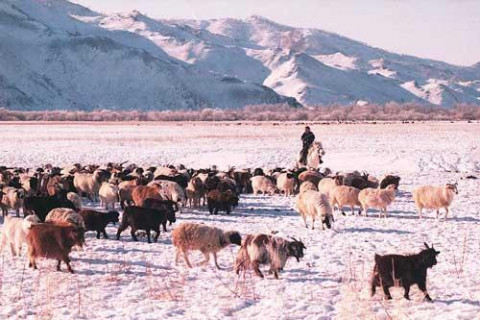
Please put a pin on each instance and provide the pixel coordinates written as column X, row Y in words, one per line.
column 49, row 59
column 55, row 54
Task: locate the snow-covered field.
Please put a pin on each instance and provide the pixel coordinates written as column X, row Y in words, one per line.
column 127, row 280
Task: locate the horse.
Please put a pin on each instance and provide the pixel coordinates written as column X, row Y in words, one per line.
column 314, row 156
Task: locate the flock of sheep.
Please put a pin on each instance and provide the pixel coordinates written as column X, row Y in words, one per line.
column 54, row 221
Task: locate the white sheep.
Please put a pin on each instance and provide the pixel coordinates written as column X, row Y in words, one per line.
column 432, row 197
column 15, row 232
column 192, row 236
column 169, row 190
column 13, row 198
column 88, row 183
column 108, row 194
column 315, row 205
column 66, row 215
column 326, row 185
column 307, row 185
column 165, row 171
column 76, row 200
column 377, row 198
column 345, row 196
column 263, row 184
column 286, row 183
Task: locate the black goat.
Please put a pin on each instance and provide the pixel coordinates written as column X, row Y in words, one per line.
column 41, row 206
column 138, row 218
column 404, row 271
column 97, row 221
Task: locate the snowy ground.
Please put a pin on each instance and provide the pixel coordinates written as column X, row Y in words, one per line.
column 127, row 280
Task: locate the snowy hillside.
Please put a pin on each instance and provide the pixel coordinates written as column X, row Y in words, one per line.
column 52, row 60
column 56, row 54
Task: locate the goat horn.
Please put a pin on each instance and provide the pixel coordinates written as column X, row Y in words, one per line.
column 426, row 245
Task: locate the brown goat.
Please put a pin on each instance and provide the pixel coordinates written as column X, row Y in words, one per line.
column 140, row 193
column 221, row 201
column 53, row 241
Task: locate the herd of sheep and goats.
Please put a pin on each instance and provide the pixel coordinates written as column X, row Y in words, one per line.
column 54, row 220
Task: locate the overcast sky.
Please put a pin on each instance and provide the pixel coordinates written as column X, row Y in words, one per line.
column 447, row 30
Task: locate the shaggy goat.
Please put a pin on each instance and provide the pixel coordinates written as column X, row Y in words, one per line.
column 393, row 269
column 266, row 249
column 53, row 241
column 192, row 236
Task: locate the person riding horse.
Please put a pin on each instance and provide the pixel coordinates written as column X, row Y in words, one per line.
column 307, row 139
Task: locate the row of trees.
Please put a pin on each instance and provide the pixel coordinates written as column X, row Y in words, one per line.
column 388, row 112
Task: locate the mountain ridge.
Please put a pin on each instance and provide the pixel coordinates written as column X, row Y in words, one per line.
column 61, row 55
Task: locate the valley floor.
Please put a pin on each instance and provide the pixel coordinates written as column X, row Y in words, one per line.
column 136, row 280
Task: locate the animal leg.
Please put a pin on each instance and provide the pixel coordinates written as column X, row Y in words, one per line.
column 438, row 213
column 14, row 251
column 407, row 291
column 134, row 236
column 386, row 291
column 58, row 264
column 215, row 259
column 148, row 235
column 164, row 226
column 446, row 213
column 305, row 220
column 373, row 288
column 423, row 287
column 33, row 263
column 121, row 228
column 185, row 257
column 207, row 258
column 365, row 209
column 66, row 259
column 313, row 223
column 256, row 268
column 275, row 273
column 98, row 234
column 157, row 230
column 104, row 234
column 420, row 212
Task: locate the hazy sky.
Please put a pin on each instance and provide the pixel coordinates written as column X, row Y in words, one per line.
column 447, row 30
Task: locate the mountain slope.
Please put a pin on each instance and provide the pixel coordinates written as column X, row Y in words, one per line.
column 52, row 60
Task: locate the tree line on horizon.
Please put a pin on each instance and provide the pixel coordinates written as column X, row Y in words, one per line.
column 371, row 112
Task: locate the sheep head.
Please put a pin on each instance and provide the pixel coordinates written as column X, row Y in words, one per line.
column 453, row 187
column 234, row 237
